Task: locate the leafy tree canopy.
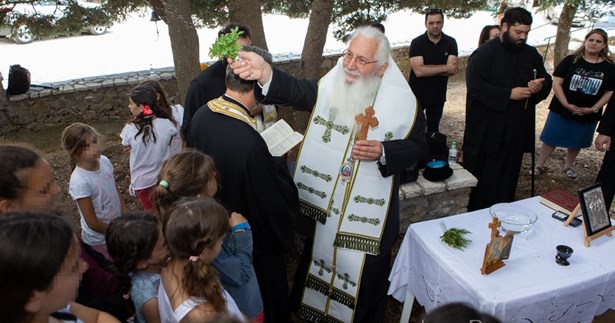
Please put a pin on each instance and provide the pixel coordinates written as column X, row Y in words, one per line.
column 52, row 18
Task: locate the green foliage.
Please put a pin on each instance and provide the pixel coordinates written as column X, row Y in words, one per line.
column 62, row 18
column 210, row 13
column 290, row 8
column 455, row 237
column 226, row 46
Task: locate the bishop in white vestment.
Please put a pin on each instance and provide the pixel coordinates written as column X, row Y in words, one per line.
column 364, row 129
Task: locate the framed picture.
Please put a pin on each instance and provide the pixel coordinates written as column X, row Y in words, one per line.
column 595, row 214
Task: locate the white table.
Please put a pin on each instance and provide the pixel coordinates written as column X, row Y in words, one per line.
column 530, row 288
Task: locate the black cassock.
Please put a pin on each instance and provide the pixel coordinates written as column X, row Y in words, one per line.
column 371, row 303
column 258, row 186
column 499, row 130
column 607, row 171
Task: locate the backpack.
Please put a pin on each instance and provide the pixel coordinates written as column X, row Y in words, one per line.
column 19, row 80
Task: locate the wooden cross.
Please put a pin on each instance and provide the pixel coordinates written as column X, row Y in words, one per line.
column 366, row 121
column 346, row 279
column 326, row 137
column 494, row 225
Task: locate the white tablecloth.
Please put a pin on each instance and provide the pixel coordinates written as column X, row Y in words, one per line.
column 530, row 288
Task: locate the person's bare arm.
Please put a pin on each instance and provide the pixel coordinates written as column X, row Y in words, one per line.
column 89, row 214
column 422, row 70
column 90, row 315
column 150, row 310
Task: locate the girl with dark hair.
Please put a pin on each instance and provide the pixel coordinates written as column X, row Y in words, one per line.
column 176, row 111
column 192, row 174
column 26, row 180
column 41, row 270
column 150, row 137
column 582, row 83
column 190, row 286
column 138, row 249
column 92, row 184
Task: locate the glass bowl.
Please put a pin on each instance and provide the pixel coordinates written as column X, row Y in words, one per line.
column 513, row 218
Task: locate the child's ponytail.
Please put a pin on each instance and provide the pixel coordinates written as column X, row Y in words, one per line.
column 146, row 96
column 192, row 231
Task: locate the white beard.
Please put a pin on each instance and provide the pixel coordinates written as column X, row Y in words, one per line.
column 350, row 99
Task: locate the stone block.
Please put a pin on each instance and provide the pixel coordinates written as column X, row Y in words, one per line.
column 461, row 178
column 40, row 108
column 120, row 81
column 411, row 190
column 430, row 187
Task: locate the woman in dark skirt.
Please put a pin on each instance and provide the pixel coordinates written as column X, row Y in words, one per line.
column 583, row 83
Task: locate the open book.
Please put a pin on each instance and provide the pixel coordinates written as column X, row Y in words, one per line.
column 281, row 138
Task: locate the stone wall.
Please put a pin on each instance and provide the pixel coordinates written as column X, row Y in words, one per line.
column 105, row 98
column 424, row 200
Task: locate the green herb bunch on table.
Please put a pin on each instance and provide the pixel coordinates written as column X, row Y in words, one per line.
column 455, row 238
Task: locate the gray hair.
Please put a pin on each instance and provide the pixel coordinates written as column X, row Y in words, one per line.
column 384, row 47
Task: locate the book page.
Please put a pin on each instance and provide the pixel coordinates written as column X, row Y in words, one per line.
column 287, row 144
column 276, row 133
column 280, row 138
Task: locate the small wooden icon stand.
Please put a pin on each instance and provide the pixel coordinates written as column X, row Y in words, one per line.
column 497, row 249
column 588, row 239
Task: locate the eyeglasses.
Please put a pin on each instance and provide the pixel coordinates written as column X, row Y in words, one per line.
column 358, row 60
column 433, row 10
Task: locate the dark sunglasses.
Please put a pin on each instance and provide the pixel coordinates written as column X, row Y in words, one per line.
column 433, row 10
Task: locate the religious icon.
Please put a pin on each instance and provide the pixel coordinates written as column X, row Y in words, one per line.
column 497, row 249
column 346, row 170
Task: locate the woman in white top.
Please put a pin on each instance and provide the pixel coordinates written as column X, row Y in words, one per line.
column 190, row 290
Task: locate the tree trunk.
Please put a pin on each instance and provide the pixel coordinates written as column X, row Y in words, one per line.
column 248, row 12
column 311, row 57
column 184, row 43
column 562, row 39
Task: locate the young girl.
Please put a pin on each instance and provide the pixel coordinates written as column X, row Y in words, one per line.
column 176, row 111
column 26, row 181
column 149, row 138
column 137, row 246
column 190, row 287
column 41, row 270
column 192, row 174
column 92, row 184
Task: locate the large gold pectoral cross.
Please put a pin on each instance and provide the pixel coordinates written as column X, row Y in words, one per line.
column 366, row 121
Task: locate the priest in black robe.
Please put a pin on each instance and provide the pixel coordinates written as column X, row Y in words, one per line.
column 253, row 183
column 604, row 142
column 282, row 88
column 505, row 78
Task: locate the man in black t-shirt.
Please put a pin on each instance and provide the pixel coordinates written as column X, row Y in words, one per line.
column 433, row 57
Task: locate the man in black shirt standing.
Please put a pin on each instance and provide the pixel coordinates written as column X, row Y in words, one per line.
column 433, row 57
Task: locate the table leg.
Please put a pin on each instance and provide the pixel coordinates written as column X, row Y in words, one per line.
column 407, row 309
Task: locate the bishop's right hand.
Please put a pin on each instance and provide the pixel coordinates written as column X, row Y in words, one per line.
column 251, row 67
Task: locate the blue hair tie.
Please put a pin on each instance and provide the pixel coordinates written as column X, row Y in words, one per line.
column 164, row 184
